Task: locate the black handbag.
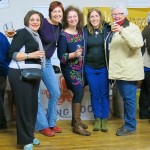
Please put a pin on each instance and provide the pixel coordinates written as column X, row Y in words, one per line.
column 30, row 74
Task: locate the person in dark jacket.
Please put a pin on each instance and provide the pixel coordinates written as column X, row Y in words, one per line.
column 144, row 100
column 26, row 49
column 96, row 73
column 4, row 63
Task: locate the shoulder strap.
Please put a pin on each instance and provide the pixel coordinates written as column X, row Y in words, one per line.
column 19, row 67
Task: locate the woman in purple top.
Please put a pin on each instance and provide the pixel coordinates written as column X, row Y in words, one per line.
column 49, row 34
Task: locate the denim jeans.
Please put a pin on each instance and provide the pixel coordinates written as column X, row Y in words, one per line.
column 127, row 91
column 51, row 82
column 99, row 91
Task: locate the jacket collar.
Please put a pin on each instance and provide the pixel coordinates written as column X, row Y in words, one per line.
column 126, row 23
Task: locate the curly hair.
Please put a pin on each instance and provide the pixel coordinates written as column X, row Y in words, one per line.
column 65, row 22
column 102, row 20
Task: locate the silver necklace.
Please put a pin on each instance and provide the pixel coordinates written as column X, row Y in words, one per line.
column 96, row 33
column 56, row 34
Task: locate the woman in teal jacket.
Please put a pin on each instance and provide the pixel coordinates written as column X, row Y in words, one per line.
column 95, row 67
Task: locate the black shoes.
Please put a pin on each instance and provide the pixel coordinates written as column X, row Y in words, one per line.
column 123, row 131
column 144, row 117
column 144, row 114
column 3, row 125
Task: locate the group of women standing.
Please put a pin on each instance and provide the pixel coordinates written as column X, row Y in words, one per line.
column 83, row 54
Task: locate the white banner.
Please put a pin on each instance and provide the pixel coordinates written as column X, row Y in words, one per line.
column 64, row 104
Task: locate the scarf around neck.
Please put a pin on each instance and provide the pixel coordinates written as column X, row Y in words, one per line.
column 36, row 36
column 121, row 21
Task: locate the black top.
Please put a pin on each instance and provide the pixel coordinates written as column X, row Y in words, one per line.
column 95, row 56
column 24, row 38
column 146, row 36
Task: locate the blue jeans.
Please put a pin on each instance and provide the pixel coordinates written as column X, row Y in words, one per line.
column 51, row 82
column 127, row 91
column 99, row 91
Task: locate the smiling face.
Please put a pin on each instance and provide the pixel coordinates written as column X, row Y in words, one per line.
column 117, row 15
column 72, row 18
column 34, row 22
column 94, row 19
column 56, row 15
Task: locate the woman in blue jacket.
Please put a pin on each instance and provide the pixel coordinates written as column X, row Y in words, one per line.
column 4, row 63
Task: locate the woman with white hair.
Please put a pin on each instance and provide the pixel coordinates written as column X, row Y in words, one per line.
column 125, row 63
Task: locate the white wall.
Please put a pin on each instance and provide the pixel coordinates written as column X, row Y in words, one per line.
column 18, row 8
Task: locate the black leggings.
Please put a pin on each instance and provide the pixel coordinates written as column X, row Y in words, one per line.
column 144, row 100
column 78, row 96
column 2, row 93
column 25, row 95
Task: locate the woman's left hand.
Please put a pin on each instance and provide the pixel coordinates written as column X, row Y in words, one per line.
column 117, row 28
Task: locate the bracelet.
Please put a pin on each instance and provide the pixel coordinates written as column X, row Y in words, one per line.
column 27, row 56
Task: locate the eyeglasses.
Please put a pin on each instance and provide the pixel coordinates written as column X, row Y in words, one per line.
column 119, row 14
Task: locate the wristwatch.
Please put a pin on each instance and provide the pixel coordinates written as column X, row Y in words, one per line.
column 27, row 56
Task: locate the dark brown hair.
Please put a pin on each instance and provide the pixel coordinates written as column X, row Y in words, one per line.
column 102, row 21
column 65, row 22
column 29, row 14
column 53, row 5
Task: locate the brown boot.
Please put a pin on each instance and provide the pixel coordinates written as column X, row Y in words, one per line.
column 84, row 126
column 76, row 120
